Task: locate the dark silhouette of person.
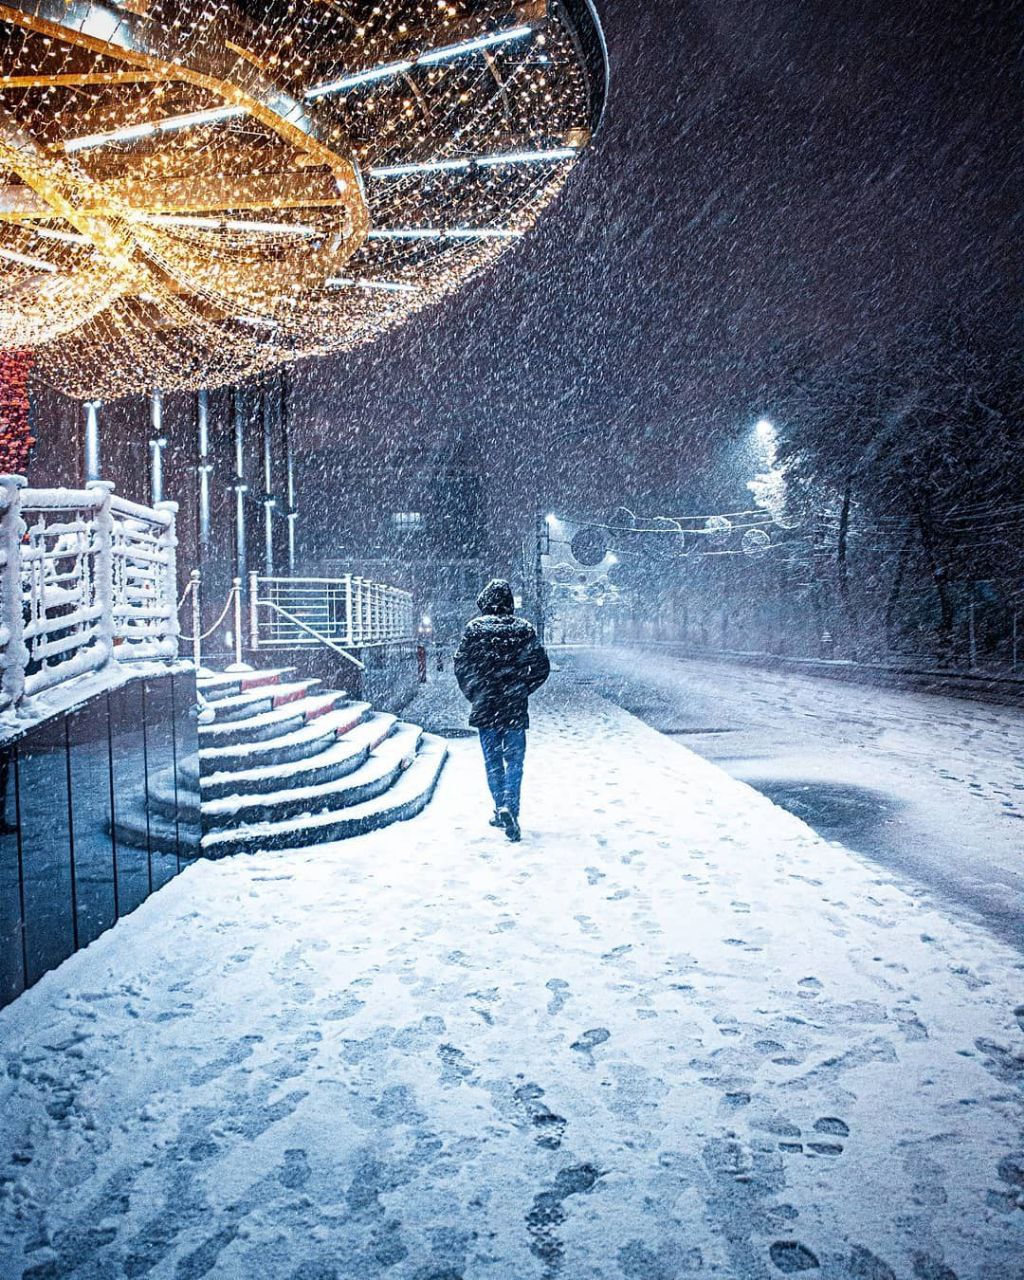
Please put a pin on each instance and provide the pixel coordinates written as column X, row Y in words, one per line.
column 498, row 664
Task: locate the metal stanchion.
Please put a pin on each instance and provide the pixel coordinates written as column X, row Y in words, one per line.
column 197, row 623
column 236, row 592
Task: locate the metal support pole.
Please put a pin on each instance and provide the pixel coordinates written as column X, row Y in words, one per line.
column 157, row 444
column 236, row 597
column 289, row 463
column 240, row 487
column 156, row 469
column 204, row 468
column 93, row 460
column 269, row 501
column 197, row 621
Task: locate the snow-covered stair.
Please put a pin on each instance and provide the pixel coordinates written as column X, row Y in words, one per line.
column 285, row 764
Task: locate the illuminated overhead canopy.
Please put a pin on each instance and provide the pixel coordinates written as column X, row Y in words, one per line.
column 191, row 193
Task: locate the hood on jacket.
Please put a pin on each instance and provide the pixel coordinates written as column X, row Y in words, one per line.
column 496, row 597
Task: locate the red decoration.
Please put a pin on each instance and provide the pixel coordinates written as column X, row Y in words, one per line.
column 15, row 438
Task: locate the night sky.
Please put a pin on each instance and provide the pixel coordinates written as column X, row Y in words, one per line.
column 771, row 180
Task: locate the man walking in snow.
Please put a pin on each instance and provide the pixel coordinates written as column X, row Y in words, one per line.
column 499, row 663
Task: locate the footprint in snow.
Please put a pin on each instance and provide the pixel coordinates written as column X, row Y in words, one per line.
column 559, row 994
column 589, row 1040
column 832, row 1124
column 791, row 1256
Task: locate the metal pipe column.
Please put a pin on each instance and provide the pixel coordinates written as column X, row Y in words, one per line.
column 93, row 458
column 289, row 461
column 240, row 487
column 269, row 501
column 204, row 468
column 157, row 444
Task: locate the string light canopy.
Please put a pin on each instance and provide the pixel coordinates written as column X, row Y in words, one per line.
column 193, row 193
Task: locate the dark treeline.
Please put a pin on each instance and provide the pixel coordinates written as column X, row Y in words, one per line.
column 901, row 465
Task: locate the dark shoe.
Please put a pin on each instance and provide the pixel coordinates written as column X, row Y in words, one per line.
column 495, row 819
column 511, row 824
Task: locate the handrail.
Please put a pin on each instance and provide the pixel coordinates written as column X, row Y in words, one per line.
column 354, row 612
column 87, row 582
column 331, row 644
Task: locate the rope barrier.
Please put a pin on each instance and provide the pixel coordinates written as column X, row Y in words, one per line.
column 223, row 615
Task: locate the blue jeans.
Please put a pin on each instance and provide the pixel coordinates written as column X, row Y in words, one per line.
column 504, row 751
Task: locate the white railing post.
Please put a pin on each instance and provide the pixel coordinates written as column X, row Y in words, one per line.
column 169, row 549
column 349, row 629
column 254, row 612
column 197, row 620
column 103, row 569
column 236, row 600
column 12, row 624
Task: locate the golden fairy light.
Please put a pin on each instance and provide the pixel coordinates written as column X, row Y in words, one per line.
column 191, row 193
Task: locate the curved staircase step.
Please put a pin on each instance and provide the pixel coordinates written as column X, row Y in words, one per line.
column 222, row 684
column 409, row 794
column 339, row 756
column 251, row 702
column 374, row 776
column 269, row 724
column 293, row 742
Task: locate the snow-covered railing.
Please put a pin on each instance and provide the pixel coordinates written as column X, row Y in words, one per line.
column 86, row 579
column 351, row 612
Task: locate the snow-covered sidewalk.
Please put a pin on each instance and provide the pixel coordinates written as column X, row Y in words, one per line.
column 671, row 1033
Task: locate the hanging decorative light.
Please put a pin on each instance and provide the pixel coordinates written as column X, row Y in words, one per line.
column 183, row 185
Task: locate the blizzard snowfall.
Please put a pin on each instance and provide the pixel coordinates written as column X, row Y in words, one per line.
column 673, row 1033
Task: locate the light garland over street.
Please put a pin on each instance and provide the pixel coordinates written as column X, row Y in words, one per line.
column 194, row 193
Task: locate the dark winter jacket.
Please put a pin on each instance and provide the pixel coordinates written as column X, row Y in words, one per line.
column 500, row 662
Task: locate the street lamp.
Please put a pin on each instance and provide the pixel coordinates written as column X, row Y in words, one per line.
column 764, row 429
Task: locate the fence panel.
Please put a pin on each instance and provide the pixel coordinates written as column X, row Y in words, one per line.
column 66, row 616
column 351, row 612
column 85, row 578
column 144, row 580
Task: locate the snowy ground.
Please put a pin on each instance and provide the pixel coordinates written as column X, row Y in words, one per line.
column 672, row 1034
column 931, row 787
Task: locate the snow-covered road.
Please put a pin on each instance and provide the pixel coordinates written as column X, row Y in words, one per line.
column 672, row 1034
column 929, row 786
